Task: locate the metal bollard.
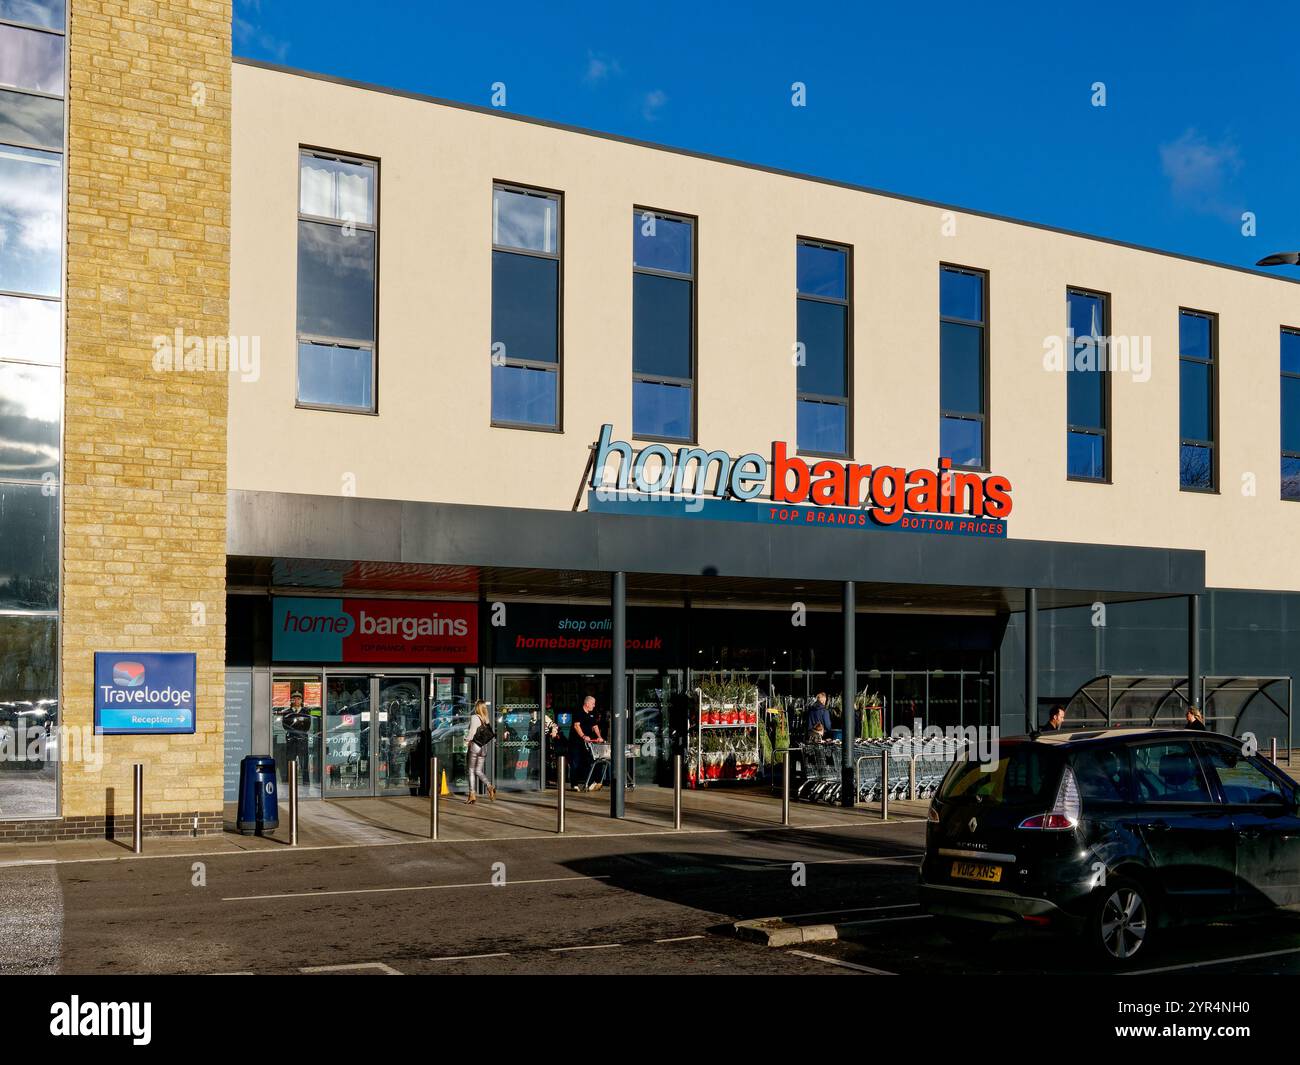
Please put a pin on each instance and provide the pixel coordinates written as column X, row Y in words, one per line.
column 884, row 786
column 785, row 790
column 561, row 782
column 677, row 791
column 911, row 778
column 293, row 802
column 137, row 811
column 1273, row 757
column 434, row 787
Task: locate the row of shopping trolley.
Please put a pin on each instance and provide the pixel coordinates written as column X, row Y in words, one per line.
column 823, row 780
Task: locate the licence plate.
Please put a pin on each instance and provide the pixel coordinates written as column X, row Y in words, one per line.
column 989, row 874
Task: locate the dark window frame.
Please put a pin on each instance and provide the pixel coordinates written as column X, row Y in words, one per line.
column 556, row 367
column 639, row 211
column 1105, row 432
column 1285, row 375
column 1213, row 363
column 985, row 385
column 846, row 401
column 311, row 338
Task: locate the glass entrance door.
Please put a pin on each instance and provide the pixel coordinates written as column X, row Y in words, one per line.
column 348, row 758
column 517, row 750
column 400, row 759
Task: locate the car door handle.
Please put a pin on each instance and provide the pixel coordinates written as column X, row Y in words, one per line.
column 1249, row 833
column 1157, row 826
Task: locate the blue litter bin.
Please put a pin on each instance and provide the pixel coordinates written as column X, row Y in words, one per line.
column 259, row 809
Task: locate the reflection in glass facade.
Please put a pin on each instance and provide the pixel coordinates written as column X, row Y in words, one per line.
column 32, row 71
column 337, row 260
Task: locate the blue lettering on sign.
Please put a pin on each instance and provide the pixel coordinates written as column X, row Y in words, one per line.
column 144, row 693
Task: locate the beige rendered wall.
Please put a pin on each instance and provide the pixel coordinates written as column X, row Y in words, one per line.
column 432, row 441
column 144, row 495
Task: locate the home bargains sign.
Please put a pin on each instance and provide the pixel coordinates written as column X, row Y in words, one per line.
column 788, row 490
column 373, row 630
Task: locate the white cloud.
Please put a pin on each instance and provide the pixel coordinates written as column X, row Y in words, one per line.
column 652, row 103
column 601, row 68
column 1200, row 173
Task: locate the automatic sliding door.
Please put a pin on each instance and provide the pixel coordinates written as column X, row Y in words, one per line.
column 347, row 737
column 517, row 749
column 399, row 727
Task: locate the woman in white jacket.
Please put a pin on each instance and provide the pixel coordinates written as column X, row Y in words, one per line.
column 477, row 755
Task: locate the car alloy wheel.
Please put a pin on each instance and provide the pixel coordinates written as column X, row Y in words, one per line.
column 1123, row 923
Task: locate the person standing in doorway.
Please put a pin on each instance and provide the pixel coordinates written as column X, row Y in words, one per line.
column 582, row 734
column 479, row 734
column 297, row 737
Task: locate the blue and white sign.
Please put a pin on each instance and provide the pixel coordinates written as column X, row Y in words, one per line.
column 149, row 693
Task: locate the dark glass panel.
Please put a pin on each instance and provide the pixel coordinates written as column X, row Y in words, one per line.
column 823, row 331
column 525, row 307
column 336, row 281
column 661, row 332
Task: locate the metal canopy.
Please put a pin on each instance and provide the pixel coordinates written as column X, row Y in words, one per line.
column 276, row 538
column 1231, row 704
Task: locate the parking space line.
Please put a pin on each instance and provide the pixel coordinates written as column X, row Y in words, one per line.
column 1214, row 961
column 472, row 957
column 387, row 970
column 590, row 946
column 679, row 939
column 412, row 887
column 843, row 964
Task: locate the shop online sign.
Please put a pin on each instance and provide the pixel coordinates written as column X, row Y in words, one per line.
column 373, row 630
column 144, row 694
column 787, row 490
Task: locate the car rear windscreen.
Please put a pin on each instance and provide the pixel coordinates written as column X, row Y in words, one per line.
column 1025, row 774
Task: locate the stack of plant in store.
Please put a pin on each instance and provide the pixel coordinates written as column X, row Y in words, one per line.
column 724, row 742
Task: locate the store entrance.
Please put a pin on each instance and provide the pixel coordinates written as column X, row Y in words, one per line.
column 373, row 735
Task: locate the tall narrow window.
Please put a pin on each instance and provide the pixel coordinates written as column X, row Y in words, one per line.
column 526, row 339
column 32, row 238
column 1088, row 387
column 823, row 417
column 1291, row 414
column 963, row 367
column 1198, row 338
column 337, row 264
column 663, row 326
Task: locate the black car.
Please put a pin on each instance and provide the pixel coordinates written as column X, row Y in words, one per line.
column 1112, row 834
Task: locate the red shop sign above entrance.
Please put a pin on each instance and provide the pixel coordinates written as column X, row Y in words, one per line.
column 787, row 490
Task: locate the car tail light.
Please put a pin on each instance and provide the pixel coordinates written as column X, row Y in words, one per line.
column 1065, row 811
column 932, row 814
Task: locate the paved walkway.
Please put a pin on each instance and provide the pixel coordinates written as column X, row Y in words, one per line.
column 530, row 815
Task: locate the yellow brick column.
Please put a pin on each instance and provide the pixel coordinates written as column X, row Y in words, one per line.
column 144, row 500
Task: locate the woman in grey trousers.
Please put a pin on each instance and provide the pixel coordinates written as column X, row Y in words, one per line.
column 476, row 755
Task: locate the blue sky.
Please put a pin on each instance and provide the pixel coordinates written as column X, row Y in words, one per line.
column 986, row 106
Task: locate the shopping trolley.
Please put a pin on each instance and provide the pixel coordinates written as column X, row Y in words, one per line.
column 602, row 766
